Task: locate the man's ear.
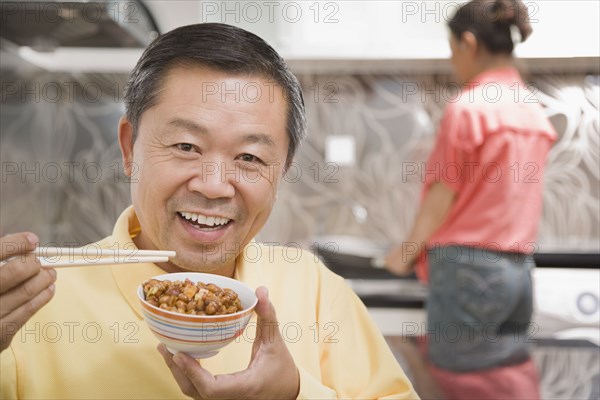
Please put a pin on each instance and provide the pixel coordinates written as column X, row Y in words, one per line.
column 126, row 144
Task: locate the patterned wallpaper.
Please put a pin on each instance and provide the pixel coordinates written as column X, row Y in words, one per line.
column 393, row 120
column 61, row 173
column 61, row 168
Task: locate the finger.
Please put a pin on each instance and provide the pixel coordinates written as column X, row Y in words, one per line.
column 21, row 294
column 407, row 267
column 230, row 386
column 17, row 271
column 17, row 243
column 267, row 326
column 264, row 307
column 186, row 386
column 192, row 370
column 391, row 259
column 270, row 351
column 398, row 269
column 387, row 261
column 17, row 318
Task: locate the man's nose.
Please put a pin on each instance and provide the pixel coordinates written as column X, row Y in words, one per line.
column 214, row 180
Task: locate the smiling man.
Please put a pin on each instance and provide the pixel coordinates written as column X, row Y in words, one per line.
column 209, row 165
column 214, row 117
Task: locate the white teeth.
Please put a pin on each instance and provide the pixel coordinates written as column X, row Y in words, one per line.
column 204, row 220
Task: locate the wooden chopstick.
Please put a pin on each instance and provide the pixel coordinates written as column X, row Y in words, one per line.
column 95, row 252
column 61, row 263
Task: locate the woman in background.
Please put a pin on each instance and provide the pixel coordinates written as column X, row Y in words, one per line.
column 481, row 205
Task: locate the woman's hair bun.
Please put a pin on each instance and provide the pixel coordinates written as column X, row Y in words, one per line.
column 498, row 24
column 514, row 12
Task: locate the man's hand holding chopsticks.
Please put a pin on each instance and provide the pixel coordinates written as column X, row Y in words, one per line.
column 25, row 286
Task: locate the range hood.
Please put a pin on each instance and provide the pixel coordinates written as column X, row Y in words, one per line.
column 48, row 25
column 76, row 36
column 108, row 36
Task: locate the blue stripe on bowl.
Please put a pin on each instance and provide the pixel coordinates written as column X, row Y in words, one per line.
column 195, row 323
column 194, row 341
column 231, row 327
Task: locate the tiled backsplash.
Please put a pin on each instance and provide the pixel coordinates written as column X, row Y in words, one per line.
column 62, row 178
column 393, row 120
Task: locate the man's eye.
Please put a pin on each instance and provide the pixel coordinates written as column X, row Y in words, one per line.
column 185, row 147
column 250, row 158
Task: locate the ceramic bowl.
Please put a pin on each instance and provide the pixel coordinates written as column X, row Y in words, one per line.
column 200, row 336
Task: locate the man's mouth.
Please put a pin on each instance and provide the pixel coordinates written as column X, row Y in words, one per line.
column 204, row 222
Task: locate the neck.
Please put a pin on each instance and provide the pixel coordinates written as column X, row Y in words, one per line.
column 488, row 62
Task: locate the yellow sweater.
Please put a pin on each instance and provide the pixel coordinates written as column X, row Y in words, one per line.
column 90, row 341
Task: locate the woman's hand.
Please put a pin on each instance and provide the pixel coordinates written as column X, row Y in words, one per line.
column 432, row 213
column 399, row 262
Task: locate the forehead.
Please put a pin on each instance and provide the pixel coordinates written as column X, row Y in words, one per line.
column 203, row 85
column 221, row 101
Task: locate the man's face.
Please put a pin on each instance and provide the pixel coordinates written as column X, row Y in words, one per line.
column 206, row 165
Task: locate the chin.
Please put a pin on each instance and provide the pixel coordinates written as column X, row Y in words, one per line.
column 209, row 264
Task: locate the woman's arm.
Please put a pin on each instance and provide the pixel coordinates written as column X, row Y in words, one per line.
column 433, row 211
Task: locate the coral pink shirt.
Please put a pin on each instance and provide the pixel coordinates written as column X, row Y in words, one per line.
column 491, row 150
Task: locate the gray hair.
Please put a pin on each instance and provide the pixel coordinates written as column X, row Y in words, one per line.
column 223, row 48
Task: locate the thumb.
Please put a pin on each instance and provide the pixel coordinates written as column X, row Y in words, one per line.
column 265, row 309
column 266, row 324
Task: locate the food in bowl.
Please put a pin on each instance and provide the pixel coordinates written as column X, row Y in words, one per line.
column 199, row 335
column 194, row 298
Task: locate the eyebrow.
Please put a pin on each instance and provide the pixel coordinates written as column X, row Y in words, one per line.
column 251, row 138
column 259, row 138
column 187, row 125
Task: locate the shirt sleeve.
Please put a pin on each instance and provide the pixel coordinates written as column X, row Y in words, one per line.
column 356, row 362
column 8, row 375
column 456, row 136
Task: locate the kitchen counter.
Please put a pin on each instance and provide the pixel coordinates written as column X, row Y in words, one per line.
column 379, row 288
column 566, row 295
